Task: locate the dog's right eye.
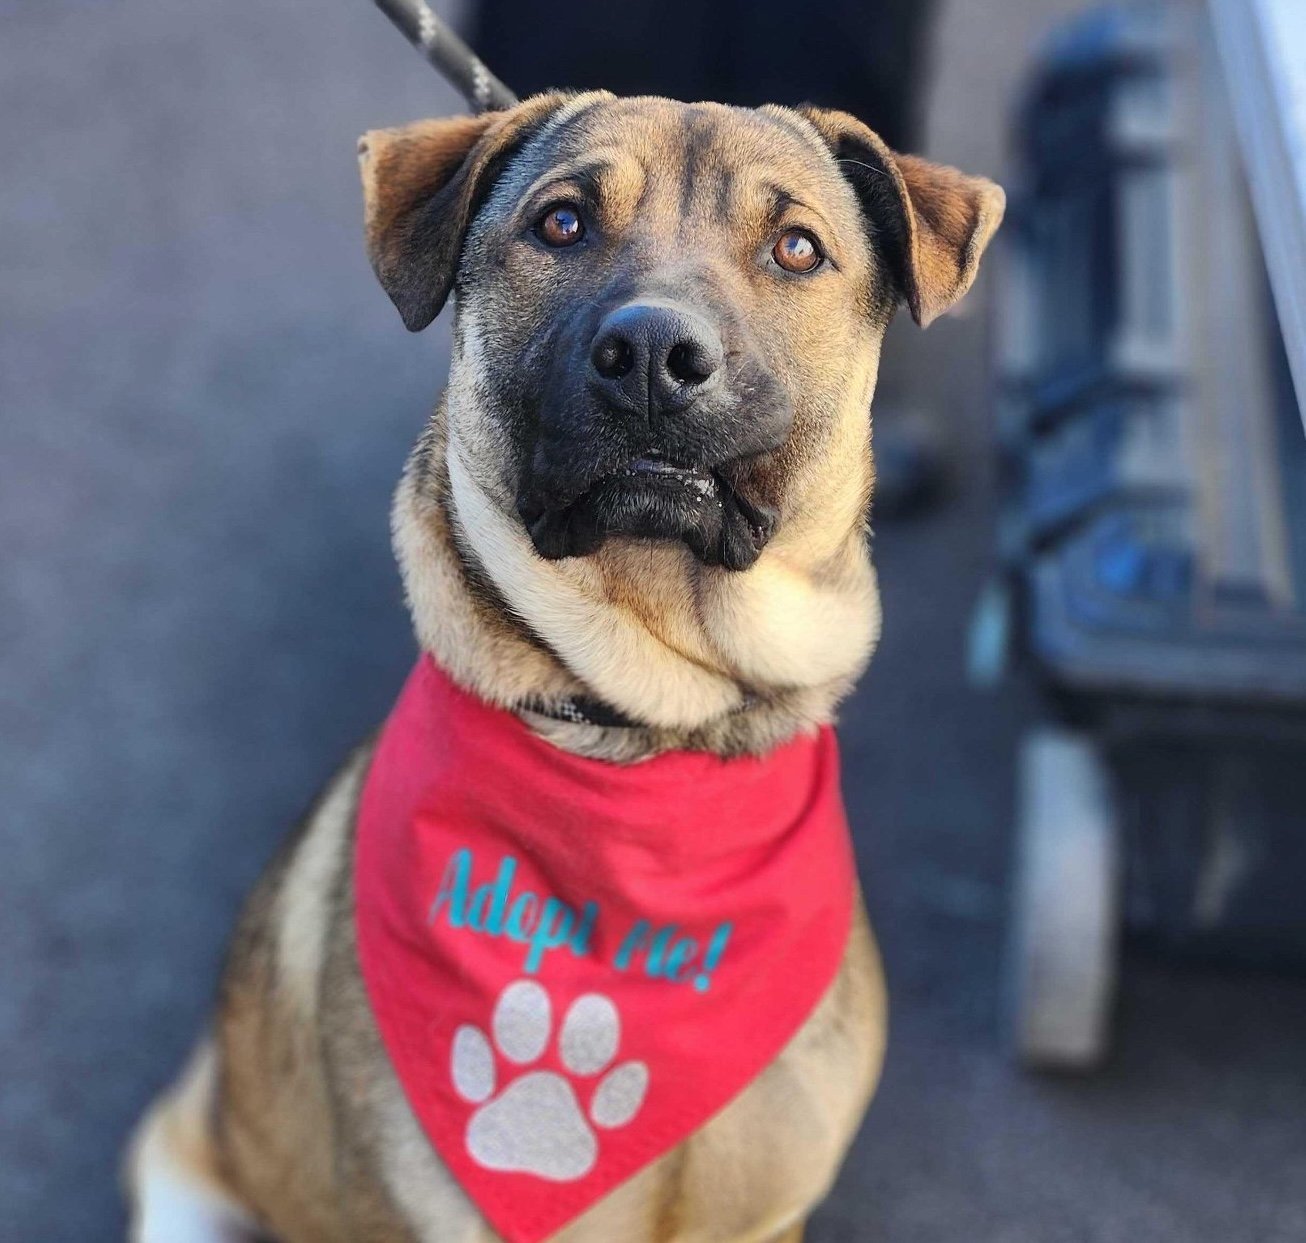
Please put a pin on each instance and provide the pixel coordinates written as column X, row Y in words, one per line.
column 560, row 226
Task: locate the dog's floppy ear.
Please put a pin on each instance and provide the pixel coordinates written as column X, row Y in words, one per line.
column 422, row 186
column 932, row 221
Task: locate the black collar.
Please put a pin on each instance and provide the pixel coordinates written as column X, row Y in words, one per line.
column 586, row 710
column 579, row 710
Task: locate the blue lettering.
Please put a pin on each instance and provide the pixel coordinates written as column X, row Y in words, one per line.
column 453, row 890
column 552, row 931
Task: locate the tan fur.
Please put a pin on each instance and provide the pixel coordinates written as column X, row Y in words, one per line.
column 291, row 1117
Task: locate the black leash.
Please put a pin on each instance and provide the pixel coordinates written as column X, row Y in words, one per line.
column 445, row 52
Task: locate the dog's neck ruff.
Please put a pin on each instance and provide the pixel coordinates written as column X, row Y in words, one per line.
column 575, row 964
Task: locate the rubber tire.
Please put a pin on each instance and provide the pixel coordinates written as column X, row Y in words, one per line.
column 1066, row 904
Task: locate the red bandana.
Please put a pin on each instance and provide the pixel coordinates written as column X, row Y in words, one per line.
column 575, row 964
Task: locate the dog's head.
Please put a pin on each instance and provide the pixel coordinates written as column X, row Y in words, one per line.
column 669, row 315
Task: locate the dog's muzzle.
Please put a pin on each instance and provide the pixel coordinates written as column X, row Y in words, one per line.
column 648, row 430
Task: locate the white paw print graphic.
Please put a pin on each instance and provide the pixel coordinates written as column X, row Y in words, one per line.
column 536, row 1124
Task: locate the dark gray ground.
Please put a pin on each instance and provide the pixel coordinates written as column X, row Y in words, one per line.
column 205, row 401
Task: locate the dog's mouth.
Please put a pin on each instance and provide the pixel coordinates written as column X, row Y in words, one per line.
column 654, row 497
column 658, row 466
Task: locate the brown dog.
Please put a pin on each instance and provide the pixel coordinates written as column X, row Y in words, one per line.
column 617, row 262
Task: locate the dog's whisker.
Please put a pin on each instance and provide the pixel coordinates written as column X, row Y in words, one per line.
column 870, row 168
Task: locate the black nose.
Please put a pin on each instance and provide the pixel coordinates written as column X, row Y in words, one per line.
column 655, row 357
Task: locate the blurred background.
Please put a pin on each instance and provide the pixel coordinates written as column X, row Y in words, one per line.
column 1075, row 768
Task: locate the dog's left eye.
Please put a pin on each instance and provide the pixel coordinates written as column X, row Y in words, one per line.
column 797, row 251
column 560, row 226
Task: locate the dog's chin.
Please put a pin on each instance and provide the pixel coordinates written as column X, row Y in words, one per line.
column 652, row 499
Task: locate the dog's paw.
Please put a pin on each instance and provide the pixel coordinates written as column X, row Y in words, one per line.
column 536, row 1124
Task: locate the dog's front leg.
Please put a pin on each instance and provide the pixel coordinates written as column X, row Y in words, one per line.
column 175, row 1190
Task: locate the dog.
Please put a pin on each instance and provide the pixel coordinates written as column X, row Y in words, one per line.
column 635, row 529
